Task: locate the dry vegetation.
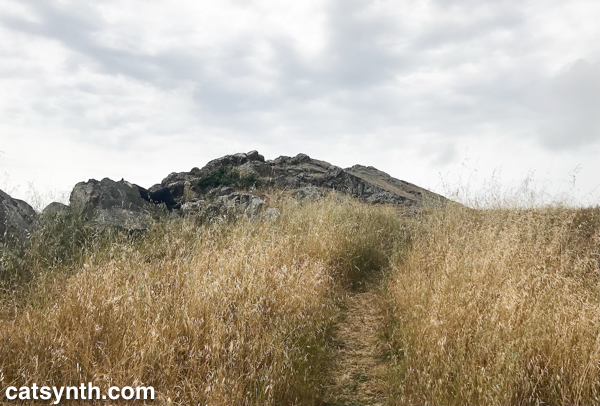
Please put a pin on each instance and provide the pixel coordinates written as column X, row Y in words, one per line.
column 498, row 306
column 221, row 313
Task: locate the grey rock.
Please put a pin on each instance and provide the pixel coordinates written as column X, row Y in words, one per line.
column 224, row 187
column 255, row 156
column 193, row 207
column 373, row 190
column 387, row 189
column 300, row 173
column 256, row 207
column 17, row 219
column 235, row 205
column 55, row 208
column 107, row 203
column 242, row 202
column 255, row 168
column 300, row 158
column 184, row 185
column 270, row 214
column 231, row 160
column 219, row 191
column 309, row 193
column 333, row 172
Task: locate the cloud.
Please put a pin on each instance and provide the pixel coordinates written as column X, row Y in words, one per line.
column 375, row 69
column 570, row 103
column 322, row 76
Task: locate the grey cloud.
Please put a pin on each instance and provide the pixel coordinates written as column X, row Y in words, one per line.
column 74, row 27
column 440, row 152
column 72, row 31
column 470, row 25
column 357, row 62
column 352, row 88
column 365, row 47
column 359, row 48
column 214, row 91
column 570, row 107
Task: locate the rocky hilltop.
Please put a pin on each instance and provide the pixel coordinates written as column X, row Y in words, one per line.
column 228, row 185
column 300, row 173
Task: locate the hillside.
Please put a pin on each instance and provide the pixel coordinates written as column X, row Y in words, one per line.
column 249, row 294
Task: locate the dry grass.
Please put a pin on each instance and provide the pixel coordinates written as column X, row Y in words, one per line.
column 222, row 314
column 498, row 306
column 494, row 306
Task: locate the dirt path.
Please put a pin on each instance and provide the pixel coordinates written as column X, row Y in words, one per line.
column 358, row 376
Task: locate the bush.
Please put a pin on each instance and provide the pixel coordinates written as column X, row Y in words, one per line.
column 227, row 176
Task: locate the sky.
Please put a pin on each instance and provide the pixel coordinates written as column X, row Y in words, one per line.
column 448, row 95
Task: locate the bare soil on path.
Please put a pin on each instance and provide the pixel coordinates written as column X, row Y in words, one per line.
column 359, row 373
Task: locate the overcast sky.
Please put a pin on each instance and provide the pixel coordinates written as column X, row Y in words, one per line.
column 432, row 92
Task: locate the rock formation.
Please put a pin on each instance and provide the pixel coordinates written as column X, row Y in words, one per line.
column 223, row 187
column 17, row 219
column 308, row 176
column 109, row 203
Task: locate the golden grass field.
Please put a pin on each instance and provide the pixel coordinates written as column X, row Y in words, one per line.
column 487, row 307
column 498, row 307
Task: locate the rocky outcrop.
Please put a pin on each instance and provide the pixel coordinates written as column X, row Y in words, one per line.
column 224, row 187
column 376, row 186
column 230, row 170
column 17, row 219
column 307, row 176
column 109, row 203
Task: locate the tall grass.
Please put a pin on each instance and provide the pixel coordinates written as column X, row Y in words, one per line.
column 489, row 306
column 57, row 245
column 221, row 313
column 498, row 306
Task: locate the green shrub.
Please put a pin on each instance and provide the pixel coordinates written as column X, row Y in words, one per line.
column 227, row 176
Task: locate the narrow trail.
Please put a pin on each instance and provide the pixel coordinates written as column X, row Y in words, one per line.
column 358, row 376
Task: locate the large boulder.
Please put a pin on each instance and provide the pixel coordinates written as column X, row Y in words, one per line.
column 17, row 219
column 107, row 203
